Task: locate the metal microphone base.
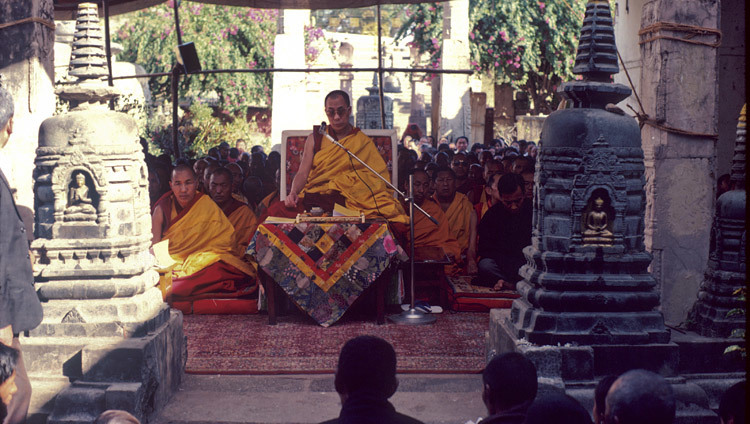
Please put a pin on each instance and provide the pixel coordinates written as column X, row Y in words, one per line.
column 412, row 317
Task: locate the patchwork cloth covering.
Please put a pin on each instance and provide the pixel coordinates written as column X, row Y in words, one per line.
column 324, row 267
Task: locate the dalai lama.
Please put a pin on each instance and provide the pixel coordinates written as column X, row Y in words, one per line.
column 201, row 241
column 327, row 175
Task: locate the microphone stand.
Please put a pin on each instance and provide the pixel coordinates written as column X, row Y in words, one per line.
column 412, row 316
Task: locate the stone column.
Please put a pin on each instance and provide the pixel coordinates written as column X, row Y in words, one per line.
column 679, row 90
column 289, row 110
column 455, row 104
column 26, row 71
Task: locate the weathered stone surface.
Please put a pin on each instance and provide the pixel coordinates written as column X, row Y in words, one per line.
column 679, row 89
column 368, row 108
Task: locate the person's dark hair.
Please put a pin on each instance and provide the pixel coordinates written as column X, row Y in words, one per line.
column 256, row 148
column 508, row 184
column 214, row 152
column 476, row 146
column 492, row 179
column 234, row 153
column 443, row 169
column 8, row 360
column 183, row 167
column 512, row 380
column 222, row 171
column 556, row 408
column 444, row 147
column 415, row 171
column 116, row 416
column 432, row 166
column 464, row 138
column 732, row 403
column 337, row 93
column 252, row 188
column 6, row 107
column 426, row 157
column 367, row 363
column 641, row 397
column 600, row 392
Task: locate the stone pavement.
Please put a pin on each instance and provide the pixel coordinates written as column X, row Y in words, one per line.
column 218, row 399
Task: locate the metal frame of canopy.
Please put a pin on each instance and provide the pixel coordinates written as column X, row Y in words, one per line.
column 64, row 9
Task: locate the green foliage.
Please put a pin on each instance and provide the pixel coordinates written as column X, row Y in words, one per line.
column 202, row 128
column 225, row 38
column 530, row 45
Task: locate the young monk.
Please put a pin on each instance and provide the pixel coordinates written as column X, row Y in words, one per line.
column 460, row 215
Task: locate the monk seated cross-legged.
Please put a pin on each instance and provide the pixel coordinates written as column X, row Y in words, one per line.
column 239, row 214
column 327, row 175
column 461, row 218
column 202, row 243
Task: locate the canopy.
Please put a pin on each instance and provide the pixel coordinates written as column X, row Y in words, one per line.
column 65, row 9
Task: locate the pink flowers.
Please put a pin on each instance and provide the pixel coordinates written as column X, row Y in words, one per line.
column 541, row 5
column 503, row 36
column 497, row 64
column 471, row 35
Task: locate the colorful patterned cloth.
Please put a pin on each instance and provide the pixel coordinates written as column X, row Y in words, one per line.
column 324, row 268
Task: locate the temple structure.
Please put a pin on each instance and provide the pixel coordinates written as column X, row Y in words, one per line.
column 107, row 340
column 717, row 312
column 589, row 306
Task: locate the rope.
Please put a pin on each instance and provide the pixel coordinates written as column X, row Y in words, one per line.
column 46, row 22
column 691, row 30
column 644, row 119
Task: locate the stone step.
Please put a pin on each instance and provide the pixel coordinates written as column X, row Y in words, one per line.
column 79, row 404
column 44, row 391
column 57, row 356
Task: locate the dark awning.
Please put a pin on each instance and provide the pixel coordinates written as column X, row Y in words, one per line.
column 64, row 9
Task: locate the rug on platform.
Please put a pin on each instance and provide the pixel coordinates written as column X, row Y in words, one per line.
column 246, row 344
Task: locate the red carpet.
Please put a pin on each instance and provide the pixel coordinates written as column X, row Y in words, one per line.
column 245, row 344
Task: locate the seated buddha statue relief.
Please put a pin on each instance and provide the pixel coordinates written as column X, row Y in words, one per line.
column 597, row 223
column 80, row 206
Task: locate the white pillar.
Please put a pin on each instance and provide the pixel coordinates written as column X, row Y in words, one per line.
column 288, row 104
column 455, row 106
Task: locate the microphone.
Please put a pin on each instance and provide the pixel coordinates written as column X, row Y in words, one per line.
column 322, row 129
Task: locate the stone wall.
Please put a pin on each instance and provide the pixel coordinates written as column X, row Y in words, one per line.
column 26, row 67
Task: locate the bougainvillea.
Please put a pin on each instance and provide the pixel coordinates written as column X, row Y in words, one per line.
column 530, row 45
column 225, row 38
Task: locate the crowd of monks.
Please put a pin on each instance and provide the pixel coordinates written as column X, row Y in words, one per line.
column 208, row 210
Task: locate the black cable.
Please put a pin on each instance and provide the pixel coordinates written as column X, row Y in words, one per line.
column 368, row 187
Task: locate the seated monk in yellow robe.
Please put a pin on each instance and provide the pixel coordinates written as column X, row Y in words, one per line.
column 239, row 214
column 327, row 175
column 201, row 242
column 426, row 233
column 460, row 214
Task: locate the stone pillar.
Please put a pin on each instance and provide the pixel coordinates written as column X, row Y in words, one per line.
column 26, row 71
column 289, row 52
column 726, row 271
column 679, row 90
column 627, row 17
column 346, row 53
column 107, row 340
column 455, row 103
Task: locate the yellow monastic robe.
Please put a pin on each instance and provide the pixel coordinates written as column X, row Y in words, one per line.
column 459, row 219
column 244, row 222
column 201, row 236
column 332, row 171
column 427, row 234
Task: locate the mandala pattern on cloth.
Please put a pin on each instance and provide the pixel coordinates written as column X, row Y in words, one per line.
column 324, row 268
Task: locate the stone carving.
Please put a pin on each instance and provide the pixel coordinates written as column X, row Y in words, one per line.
column 586, row 280
column 80, row 205
column 726, row 271
column 597, row 222
column 93, row 234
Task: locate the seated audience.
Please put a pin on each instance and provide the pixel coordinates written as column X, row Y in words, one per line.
column 426, row 233
column 201, row 242
column 510, row 386
column 477, row 183
column 504, row 231
column 600, row 396
column 199, row 167
column 237, row 178
column 732, row 407
column 115, row 416
column 240, row 145
column 640, row 397
column 365, row 380
column 234, row 155
column 490, row 195
column 253, row 189
column 8, row 360
column 239, row 214
column 462, row 144
column 460, row 166
column 556, row 408
column 460, row 215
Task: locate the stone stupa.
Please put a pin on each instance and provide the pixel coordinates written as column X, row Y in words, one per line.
column 107, row 340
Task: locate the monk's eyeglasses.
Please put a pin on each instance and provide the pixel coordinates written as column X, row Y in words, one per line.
column 339, row 111
column 459, row 163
